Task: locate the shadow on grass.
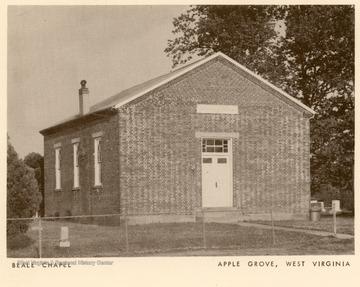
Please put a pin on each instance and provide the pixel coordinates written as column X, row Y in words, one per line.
column 19, row 241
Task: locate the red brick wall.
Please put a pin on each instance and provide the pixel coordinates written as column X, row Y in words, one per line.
column 160, row 170
column 161, row 158
column 86, row 199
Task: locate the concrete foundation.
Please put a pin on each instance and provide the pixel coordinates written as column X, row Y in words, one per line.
column 224, row 215
column 236, row 215
column 160, row 218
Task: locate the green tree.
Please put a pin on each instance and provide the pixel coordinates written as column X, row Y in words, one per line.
column 36, row 162
column 244, row 33
column 319, row 48
column 308, row 51
column 23, row 196
column 332, row 161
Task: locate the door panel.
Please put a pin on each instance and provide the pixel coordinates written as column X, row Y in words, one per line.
column 216, row 181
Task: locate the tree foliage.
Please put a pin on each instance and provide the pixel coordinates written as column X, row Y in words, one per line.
column 23, row 196
column 308, row 51
column 242, row 32
column 319, row 45
column 319, row 49
column 36, row 162
column 332, row 162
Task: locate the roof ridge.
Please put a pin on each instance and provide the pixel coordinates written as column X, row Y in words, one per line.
column 149, row 82
column 132, row 93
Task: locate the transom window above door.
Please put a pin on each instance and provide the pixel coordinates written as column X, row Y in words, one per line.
column 215, row 145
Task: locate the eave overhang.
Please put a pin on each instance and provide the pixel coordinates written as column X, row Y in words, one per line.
column 100, row 114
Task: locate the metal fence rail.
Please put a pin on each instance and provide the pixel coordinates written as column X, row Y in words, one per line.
column 110, row 235
column 100, row 235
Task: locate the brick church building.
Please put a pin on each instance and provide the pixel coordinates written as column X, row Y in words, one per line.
column 210, row 139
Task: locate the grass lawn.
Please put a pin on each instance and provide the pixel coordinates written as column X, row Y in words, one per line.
column 175, row 239
column 344, row 224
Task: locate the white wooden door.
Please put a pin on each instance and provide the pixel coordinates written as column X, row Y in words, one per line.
column 216, row 173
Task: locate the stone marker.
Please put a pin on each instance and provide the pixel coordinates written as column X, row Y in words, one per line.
column 64, row 237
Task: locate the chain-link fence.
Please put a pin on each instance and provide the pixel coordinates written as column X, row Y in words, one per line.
column 114, row 235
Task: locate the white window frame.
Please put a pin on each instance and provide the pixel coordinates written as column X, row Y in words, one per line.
column 97, row 161
column 58, row 168
column 76, row 164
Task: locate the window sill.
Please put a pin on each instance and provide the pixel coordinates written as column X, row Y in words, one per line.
column 57, row 189
column 76, row 188
column 97, row 186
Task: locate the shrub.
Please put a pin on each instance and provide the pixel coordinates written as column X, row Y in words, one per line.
column 23, row 196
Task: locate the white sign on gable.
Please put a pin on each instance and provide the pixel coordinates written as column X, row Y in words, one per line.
column 217, row 109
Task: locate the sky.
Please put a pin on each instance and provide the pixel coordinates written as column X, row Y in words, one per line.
column 52, row 48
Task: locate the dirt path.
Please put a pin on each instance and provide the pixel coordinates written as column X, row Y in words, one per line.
column 308, row 231
column 268, row 251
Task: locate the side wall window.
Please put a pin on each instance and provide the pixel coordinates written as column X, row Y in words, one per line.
column 97, row 161
column 76, row 164
column 58, row 168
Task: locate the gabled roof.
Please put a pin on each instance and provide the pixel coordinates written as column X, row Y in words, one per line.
column 128, row 95
column 133, row 93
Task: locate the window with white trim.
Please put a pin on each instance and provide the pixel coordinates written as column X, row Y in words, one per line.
column 215, row 146
column 76, row 164
column 97, row 161
column 57, row 168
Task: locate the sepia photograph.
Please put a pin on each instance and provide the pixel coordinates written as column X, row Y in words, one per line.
column 180, row 131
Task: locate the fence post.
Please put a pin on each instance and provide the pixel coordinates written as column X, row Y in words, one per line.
column 126, row 235
column 334, row 222
column 40, row 247
column 204, row 234
column 272, row 226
